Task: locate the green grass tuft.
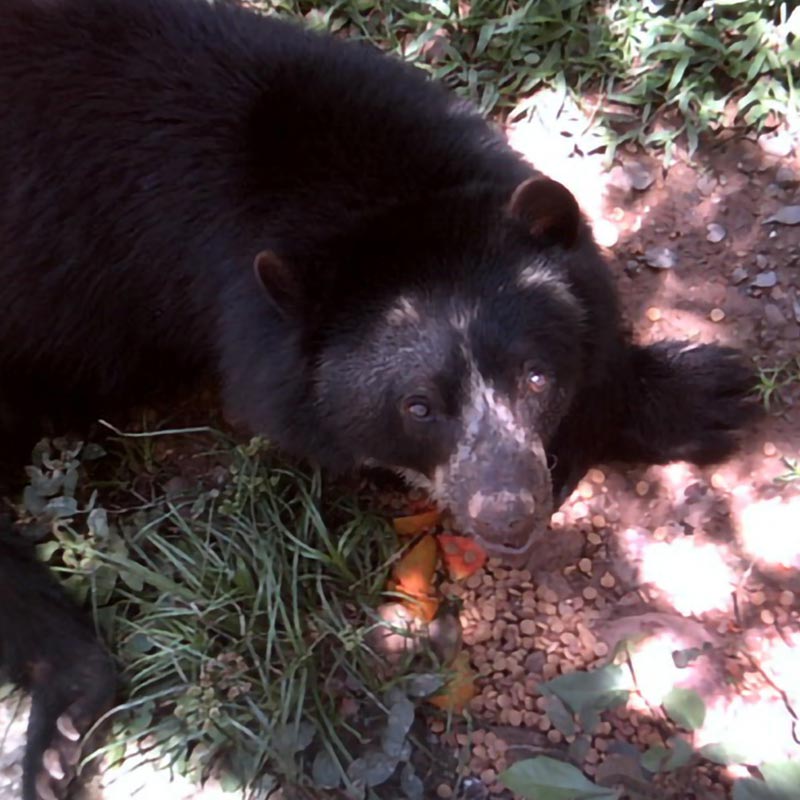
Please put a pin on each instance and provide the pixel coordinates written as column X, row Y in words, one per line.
column 651, row 71
column 240, row 615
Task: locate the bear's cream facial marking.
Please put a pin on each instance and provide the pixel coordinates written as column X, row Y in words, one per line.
column 496, row 482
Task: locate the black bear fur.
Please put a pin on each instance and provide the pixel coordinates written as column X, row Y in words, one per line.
column 190, row 190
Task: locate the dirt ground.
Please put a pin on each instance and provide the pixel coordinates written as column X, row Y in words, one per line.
column 678, row 555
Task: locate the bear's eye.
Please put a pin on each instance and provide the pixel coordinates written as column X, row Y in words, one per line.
column 536, row 382
column 419, row 409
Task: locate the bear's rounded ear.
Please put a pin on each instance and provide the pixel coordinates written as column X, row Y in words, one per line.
column 548, row 210
column 280, row 282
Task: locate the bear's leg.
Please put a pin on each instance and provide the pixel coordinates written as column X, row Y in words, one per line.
column 50, row 650
column 670, row 401
column 685, row 402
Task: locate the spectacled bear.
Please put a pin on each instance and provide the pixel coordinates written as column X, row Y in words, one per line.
column 370, row 274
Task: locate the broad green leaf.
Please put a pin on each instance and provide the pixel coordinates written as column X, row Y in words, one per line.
column 680, row 753
column 373, row 769
column 544, row 778
column 424, row 684
column 401, row 716
column 412, row 786
column 752, row 789
column 325, row 771
column 597, row 690
column 685, row 707
column 678, row 72
column 655, row 759
column 559, row 715
column 62, row 507
column 722, row 753
column 782, row 776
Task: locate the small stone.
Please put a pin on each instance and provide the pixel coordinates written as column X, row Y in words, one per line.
column 660, row 257
column 796, row 307
column 785, row 215
column 786, row 177
column 765, row 280
column 527, row 627
column 631, row 268
column 706, row 184
column 757, row 598
column 786, row 598
column 642, row 488
column 590, row 593
column 598, row 521
column 639, row 175
column 619, row 179
column 594, row 538
column 489, row 612
column 716, row 315
column 739, row 275
column 776, row 143
column 653, row 314
column 715, row 233
column 444, row 791
column 608, row 581
column 585, row 565
column 769, row 449
column 773, row 315
column 515, row 718
column 767, row 617
column 718, row 481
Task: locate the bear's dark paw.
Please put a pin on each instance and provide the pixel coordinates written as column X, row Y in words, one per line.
column 687, row 403
column 66, row 702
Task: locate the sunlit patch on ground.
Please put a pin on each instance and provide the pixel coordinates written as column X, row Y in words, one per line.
column 770, row 531
column 694, row 576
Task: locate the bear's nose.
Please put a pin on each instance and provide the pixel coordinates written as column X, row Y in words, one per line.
column 503, row 520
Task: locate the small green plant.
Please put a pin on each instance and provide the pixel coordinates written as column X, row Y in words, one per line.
column 241, row 616
column 792, row 471
column 775, row 380
column 574, row 703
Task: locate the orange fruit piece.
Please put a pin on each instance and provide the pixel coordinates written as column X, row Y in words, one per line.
column 462, row 555
column 460, row 689
column 413, row 524
column 414, row 572
column 413, row 576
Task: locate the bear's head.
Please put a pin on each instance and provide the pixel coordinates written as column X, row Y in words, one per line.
column 443, row 341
